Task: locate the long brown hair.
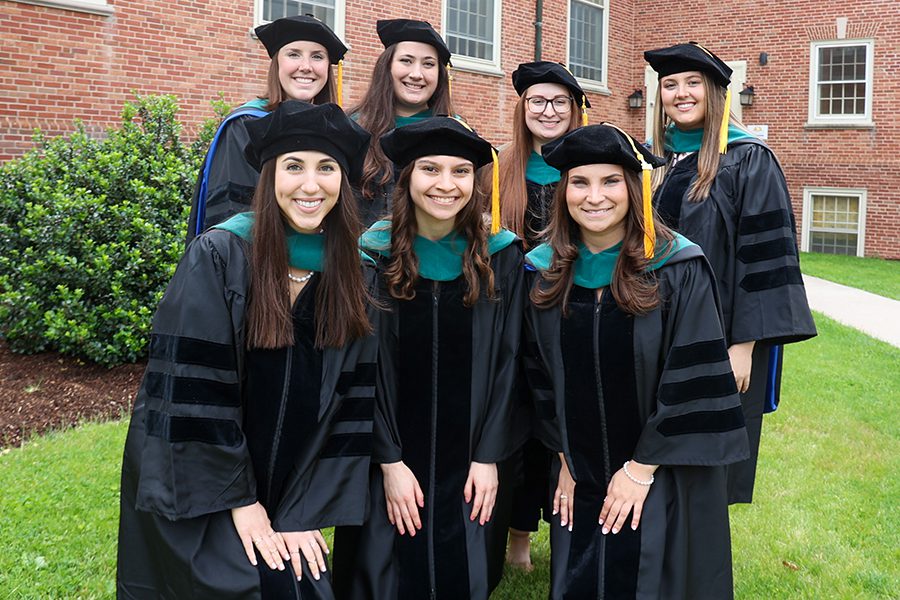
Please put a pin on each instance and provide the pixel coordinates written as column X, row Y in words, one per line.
column 376, row 114
column 275, row 93
column 513, row 162
column 708, row 156
column 633, row 288
column 341, row 295
column 403, row 266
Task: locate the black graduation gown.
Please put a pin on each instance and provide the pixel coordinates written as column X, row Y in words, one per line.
column 530, row 500
column 746, row 229
column 231, row 181
column 656, row 388
column 216, row 427
column 449, row 376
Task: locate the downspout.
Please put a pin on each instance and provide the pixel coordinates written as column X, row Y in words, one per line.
column 538, row 28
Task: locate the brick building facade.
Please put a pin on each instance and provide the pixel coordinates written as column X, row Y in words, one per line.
column 822, row 74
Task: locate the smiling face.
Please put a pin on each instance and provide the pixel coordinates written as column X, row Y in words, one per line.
column 683, row 97
column 548, row 125
column 597, row 199
column 414, row 73
column 440, row 187
column 307, row 185
column 303, row 69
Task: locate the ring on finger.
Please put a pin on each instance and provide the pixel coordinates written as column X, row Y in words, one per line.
column 563, row 497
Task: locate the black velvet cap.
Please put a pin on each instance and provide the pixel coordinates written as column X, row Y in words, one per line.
column 436, row 136
column 688, row 57
column 297, row 125
column 544, row 71
column 597, row 144
column 283, row 31
column 392, row 31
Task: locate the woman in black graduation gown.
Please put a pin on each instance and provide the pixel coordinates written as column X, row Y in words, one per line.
column 252, row 428
column 450, row 339
column 302, row 50
column 723, row 189
column 551, row 103
column 632, row 384
column 410, row 82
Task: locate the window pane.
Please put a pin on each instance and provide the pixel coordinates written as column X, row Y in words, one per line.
column 835, row 213
column 320, row 9
column 842, row 80
column 586, row 40
column 833, row 243
column 470, row 28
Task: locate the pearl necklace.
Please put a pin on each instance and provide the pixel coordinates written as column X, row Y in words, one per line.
column 303, row 279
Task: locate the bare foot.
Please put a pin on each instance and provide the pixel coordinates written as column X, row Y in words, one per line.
column 519, row 553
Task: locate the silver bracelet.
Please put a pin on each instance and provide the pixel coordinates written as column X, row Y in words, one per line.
column 635, row 479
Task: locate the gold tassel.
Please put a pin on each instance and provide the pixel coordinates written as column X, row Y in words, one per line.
column 495, row 193
column 449, row 81
column 649, row 227
column 340, row 84
column 584, row 117
column 723, row 129
column 646, row 195
column 495, row 181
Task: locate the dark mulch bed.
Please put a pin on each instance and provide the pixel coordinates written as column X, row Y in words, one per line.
column 50, row 391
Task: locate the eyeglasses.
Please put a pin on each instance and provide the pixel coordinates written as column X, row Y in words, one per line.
column 538, row 104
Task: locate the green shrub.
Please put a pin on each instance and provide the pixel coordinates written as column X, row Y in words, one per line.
column 91, row 230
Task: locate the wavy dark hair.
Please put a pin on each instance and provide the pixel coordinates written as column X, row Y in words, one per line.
column 403, row 266
column 376, row 112
column 341, row 296
column 634, row 289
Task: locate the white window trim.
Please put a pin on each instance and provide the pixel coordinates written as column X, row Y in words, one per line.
column 477, row 65
column 864, row 120
column 809, row 192
column 340, row 17
column 592, row 85
column 94, row 7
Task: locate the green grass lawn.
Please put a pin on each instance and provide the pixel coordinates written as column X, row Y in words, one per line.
column 826, row 499
column 874, row 275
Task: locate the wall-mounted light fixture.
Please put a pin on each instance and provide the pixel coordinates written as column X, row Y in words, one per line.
column 763, row 58
column 636, row 100
column 747, row 95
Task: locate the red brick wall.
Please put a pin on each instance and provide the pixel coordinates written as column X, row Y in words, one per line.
column 69, row 65
column 812, row 157
column 57, row 65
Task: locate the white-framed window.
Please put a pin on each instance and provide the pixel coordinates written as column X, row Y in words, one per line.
column 95, row 7
column 472, row 32
column 588, row 34
column 834, row 220
column 330, row 12
column 840, row 82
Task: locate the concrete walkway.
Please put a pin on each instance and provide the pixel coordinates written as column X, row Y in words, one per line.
column 872, row 314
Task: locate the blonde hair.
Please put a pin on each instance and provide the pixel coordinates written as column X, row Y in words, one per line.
column 708, row 156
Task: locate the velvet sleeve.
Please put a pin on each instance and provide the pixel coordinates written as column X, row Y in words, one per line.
column 698, row 418
column 502, row 432
column 194, row 458
column 769, row 302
